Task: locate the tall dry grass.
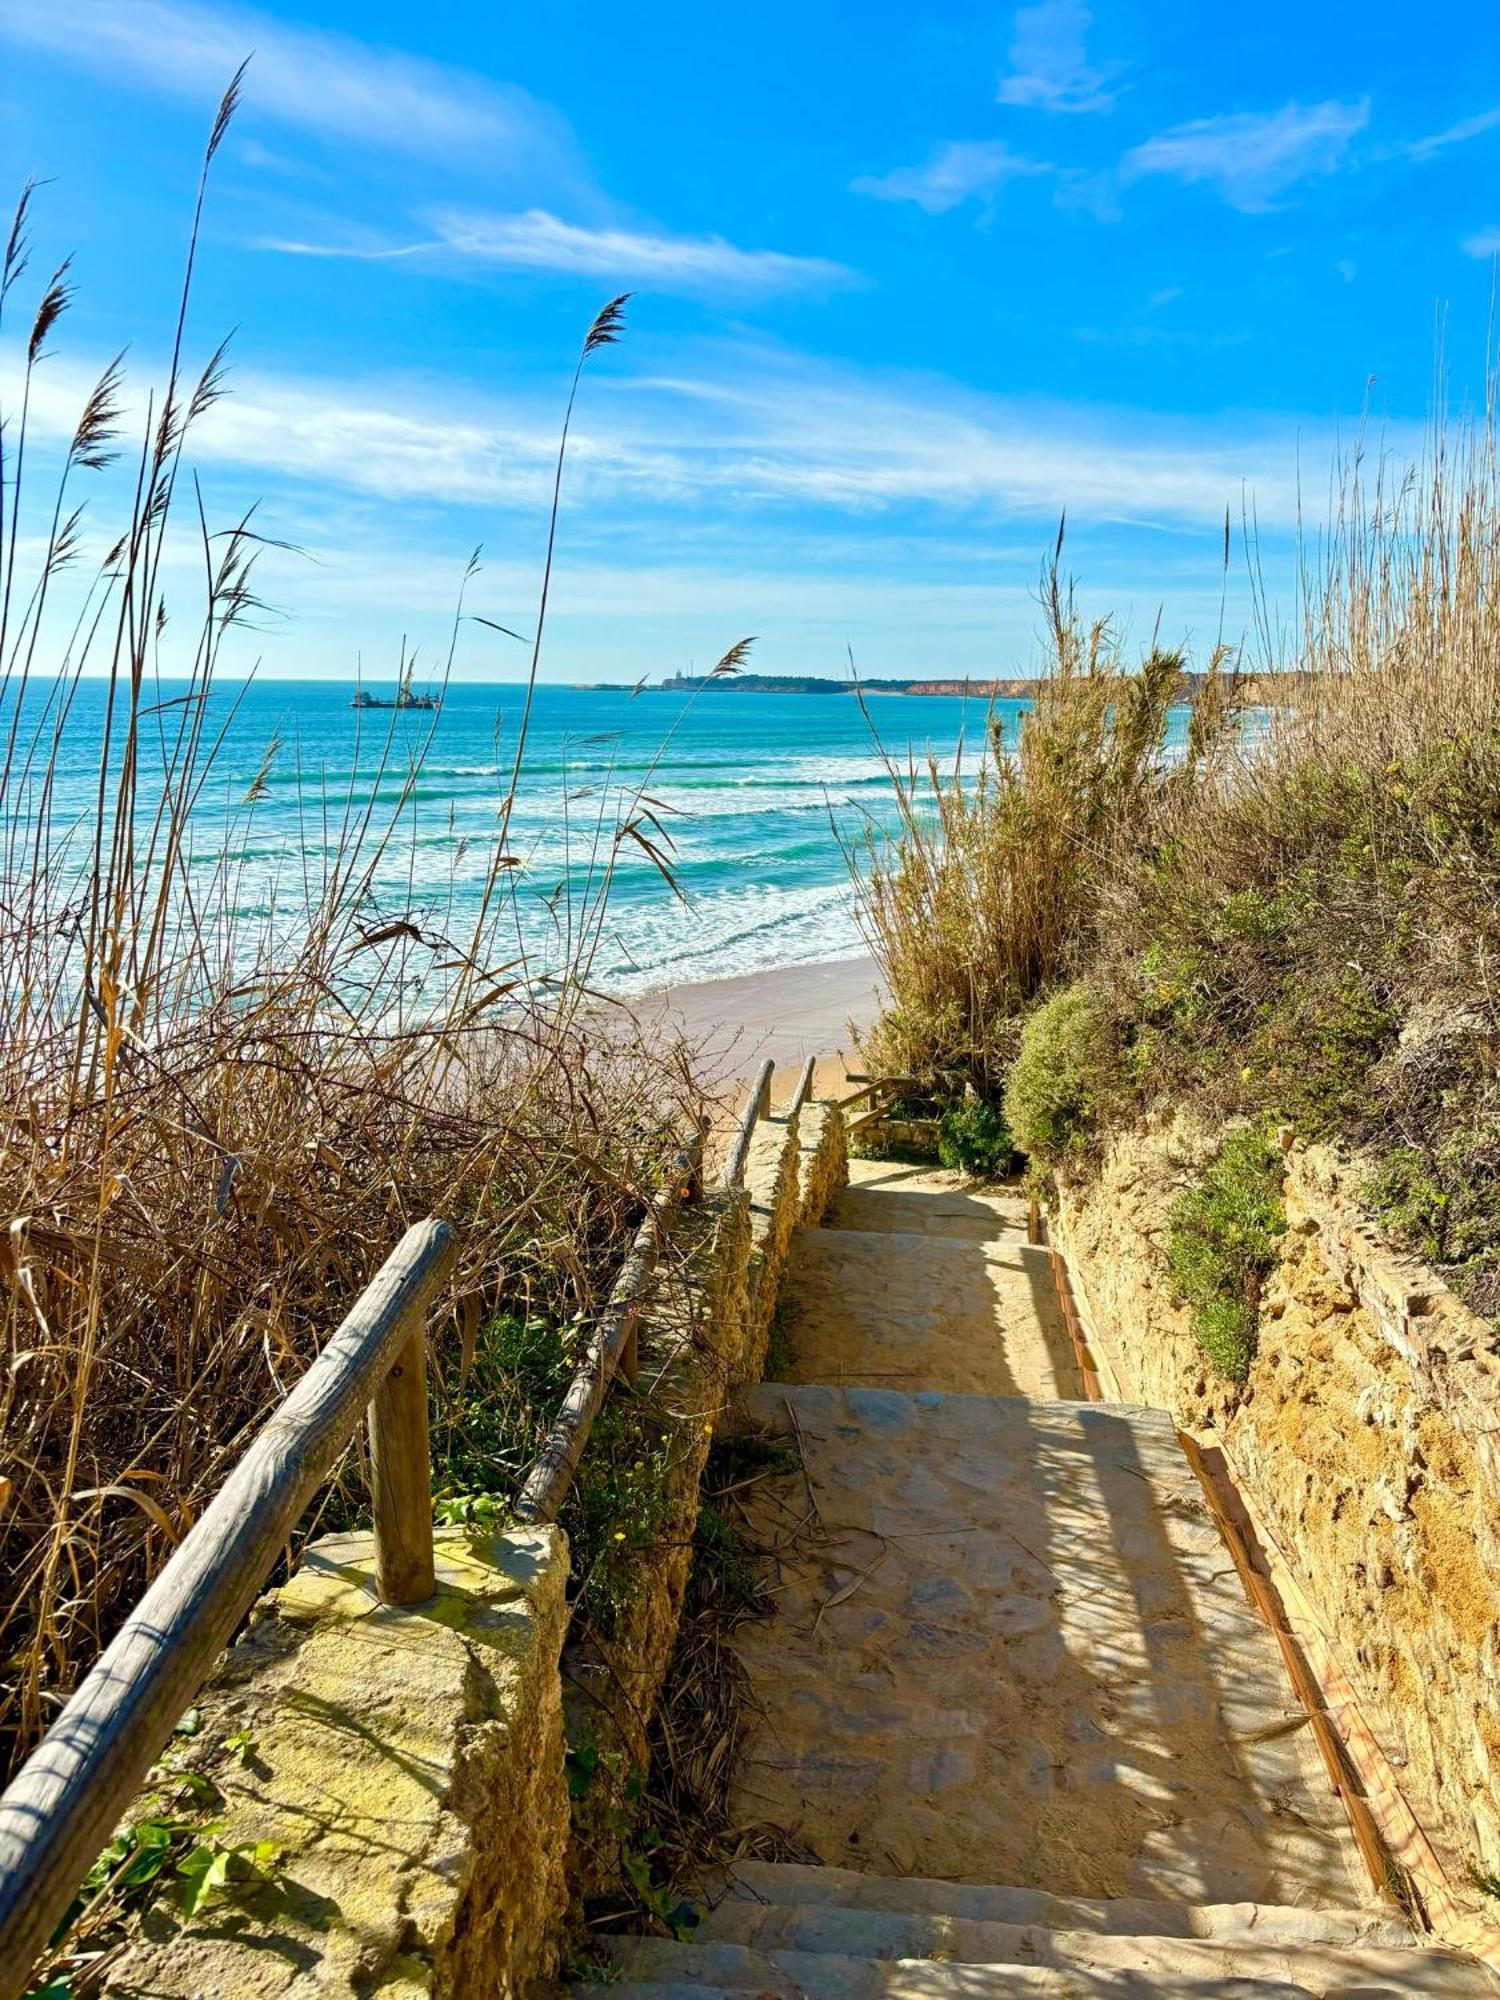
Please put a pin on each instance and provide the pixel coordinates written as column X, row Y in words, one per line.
column 212, row 1131
column 987, row 896
column 1292, row 913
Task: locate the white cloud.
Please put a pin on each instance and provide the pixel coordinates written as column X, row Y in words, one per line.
column 1252, row 157
column 1453, row 135
column 1483, row 243
column 539, row 241
column 739, row 429
column 1050, row 70
column 952, row 174
column 319, row 80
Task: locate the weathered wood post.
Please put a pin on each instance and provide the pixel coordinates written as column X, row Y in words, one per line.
column 763, row 1090
column 804, row 1087
column 401, row 1478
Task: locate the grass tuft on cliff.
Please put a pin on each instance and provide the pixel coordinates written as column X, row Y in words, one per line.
column 1223, row 1244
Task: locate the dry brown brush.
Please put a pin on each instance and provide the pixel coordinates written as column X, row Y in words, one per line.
column 212, row 1130
column 988, row 895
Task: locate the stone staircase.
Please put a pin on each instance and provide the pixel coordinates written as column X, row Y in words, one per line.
column 1010, row 1648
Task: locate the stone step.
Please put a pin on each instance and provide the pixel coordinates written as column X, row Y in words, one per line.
column 758, row 1891
column 1004, row 1982
column 890, row 1934
column 930, row 1203
column 907, row 1310
column 1018, row 1651
column 1079, row 1963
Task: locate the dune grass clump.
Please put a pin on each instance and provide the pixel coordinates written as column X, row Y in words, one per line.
column 989, row 894
column 214, row 1126
column 1064, row 1078
column 974, row 1138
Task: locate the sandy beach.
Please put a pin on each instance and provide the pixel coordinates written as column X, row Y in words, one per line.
column 788, row 1014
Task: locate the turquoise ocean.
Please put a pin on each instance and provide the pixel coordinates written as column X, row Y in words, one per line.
column 754, row 791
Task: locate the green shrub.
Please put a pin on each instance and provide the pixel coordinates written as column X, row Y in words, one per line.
column 1223, row 1244
column 1068, row 1066
column 975, row 1137
column 1406, row 1195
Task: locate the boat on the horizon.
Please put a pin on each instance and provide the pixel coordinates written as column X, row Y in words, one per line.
column 406, row 697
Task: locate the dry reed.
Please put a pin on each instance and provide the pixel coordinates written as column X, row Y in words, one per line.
column 213, row 1130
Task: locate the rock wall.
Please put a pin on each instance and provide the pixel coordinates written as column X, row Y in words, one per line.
column 407, row 1767
column 707, row 1337
column 1365, row 1440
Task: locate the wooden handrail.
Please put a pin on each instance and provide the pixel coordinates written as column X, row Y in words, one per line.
column 69, row 1795
column 804, row 1087
column 757, row 1106
column 612, row 1347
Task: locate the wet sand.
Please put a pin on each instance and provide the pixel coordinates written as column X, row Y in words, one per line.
column 788, row 1014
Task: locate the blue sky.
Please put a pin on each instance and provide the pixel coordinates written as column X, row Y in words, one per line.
column 907, row 282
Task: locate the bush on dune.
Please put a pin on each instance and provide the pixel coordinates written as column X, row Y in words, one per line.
column 1065, row 1075
column 1298, row 917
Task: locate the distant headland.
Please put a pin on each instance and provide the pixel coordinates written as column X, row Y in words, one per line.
column 1266, row 687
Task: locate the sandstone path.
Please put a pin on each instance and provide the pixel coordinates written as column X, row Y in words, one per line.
column 1014, row 1700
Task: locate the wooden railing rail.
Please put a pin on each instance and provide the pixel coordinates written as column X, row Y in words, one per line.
column 804, row 1087
column 68, row 1797
column 611, row 1348
column 757, row 1106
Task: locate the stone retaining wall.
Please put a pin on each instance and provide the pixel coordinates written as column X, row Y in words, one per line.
column 708, row 1337
column 1364, row 1438
column 408, row 1766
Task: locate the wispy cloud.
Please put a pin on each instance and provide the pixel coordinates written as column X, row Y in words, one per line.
column 1049, row 66
column 321, row 81
column 1453, row 135
column 740, row 427
column 1483, row 243
column 1251, row 158
column 539, row 241
column 953, row 173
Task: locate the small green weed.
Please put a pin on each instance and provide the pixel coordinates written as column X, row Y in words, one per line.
column 166, row 1852
column 1224, row 1238
column 1406, row 1194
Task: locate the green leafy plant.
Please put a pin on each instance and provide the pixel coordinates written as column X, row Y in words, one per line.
column 1224, row 1239
column 976, row 1138
column 1068, row 1066
column 212, row 1871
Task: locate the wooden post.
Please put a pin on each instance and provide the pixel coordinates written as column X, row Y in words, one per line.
column 1033, row 1221
column 401, row 1479
column 757, row 1106
column 804, row 1087
column 763, row 1096
column 692, row 1186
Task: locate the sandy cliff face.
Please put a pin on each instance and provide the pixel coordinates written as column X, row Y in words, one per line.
column 1365, row 1438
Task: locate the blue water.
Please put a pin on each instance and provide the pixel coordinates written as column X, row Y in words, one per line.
column 752, row 791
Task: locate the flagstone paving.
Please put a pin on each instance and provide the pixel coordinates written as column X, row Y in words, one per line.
column 1013, row 1699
